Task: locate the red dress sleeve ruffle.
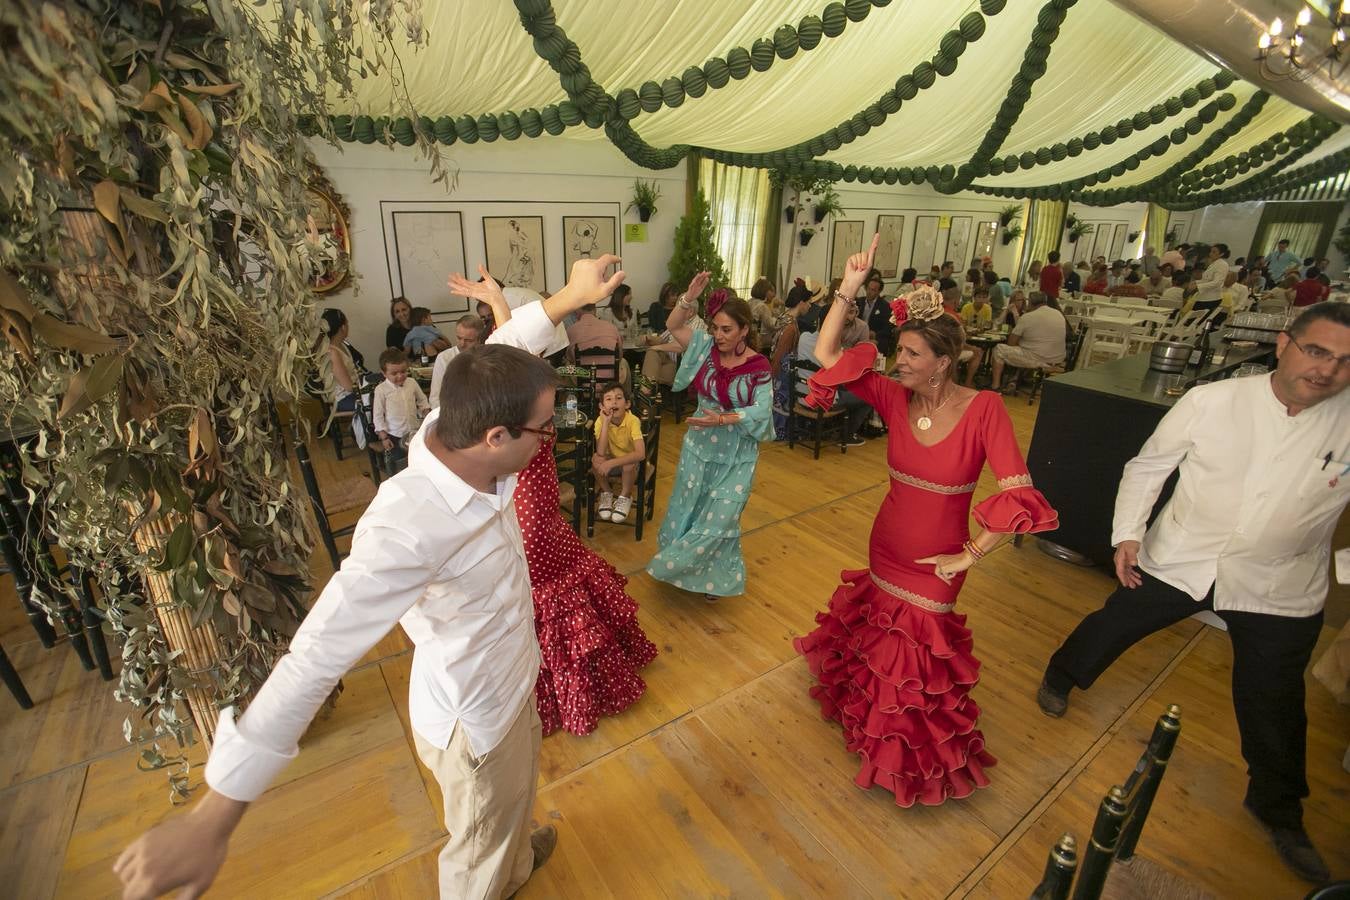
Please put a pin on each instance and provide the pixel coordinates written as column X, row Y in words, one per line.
column 852, row 365
column 1016, row 510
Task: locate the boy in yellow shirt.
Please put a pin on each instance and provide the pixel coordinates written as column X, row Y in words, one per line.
column 978, row 315
column 618, row 446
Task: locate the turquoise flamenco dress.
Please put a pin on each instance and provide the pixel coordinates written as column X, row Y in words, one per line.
column 699, row 545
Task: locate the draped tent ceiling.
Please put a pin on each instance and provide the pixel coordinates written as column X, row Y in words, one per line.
column 1066, row 99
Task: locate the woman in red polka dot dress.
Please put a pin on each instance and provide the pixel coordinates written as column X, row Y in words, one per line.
column 589, row 639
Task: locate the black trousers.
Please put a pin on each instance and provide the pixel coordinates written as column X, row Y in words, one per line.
column 1270, row 654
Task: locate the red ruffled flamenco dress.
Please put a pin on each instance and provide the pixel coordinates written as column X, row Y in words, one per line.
column 893, row 660
column 589, row 639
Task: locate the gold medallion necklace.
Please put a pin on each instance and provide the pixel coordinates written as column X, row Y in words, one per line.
column 924, row 421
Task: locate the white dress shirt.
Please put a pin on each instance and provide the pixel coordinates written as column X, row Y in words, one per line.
column 1254, row 509
column 445, row 561
column 438, row 372
column 398, row 410
column 1210, row 286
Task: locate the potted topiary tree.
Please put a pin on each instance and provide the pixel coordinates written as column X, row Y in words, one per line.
column 645, row 195
column 695, row 248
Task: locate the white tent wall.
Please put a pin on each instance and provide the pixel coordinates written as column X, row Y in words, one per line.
column 552, row 179
column 865, row 203
column 1112, row 227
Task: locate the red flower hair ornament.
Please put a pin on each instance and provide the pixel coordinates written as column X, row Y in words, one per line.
column 923, row 303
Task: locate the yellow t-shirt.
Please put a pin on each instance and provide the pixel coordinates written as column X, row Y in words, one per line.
column 622, row 437
column 982, row 320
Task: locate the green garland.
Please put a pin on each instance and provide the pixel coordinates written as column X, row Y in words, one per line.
column 1289, row 145
column 1263, row 184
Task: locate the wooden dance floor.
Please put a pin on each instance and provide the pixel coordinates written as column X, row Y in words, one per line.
column 723, row 780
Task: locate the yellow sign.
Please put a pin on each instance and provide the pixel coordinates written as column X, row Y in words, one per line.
column 635, row 233
column 945, row 222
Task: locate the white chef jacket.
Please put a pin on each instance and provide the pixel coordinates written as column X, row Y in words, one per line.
column 1256, row 503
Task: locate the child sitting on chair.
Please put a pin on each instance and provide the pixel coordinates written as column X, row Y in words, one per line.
column 399, row 407
column 423, row 339
column 618, row 449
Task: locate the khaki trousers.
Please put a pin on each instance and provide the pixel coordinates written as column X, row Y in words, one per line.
column 488, row 801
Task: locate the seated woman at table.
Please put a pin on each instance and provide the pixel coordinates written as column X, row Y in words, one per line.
column 400, row 321
column 341, row 364
column 590, row 643
column 782, row 355
column 700, row 538
column 1017, row 304
column 1097, row 281
column 1130, row 287
column 621, row 315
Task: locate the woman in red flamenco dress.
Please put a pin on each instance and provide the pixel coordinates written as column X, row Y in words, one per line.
column 893, row 659
column 590, row 643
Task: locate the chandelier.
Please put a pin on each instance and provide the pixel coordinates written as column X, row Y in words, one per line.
column 1296, row 56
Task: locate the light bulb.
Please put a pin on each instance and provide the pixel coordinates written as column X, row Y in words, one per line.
column 1345, row 7
column 1298, row 39
column 1264, row 41
column 1304, row 17
column 1276, row 26
column 1339, row 36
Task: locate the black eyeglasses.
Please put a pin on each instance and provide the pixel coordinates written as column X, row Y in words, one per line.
column 549, row 430
column 1319, row 354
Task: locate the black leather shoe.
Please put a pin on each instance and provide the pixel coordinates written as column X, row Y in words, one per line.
column 1051, row 701
column 1295, row 849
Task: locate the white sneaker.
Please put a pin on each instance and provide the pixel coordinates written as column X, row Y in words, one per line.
column 605, row 506
column 621, row 507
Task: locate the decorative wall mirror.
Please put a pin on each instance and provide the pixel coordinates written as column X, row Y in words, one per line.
column 326, row 218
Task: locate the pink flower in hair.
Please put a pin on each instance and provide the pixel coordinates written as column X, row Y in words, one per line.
column 716, row 300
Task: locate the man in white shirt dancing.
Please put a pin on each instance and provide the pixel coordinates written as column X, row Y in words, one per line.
column 439, row 551
column 1264, row 468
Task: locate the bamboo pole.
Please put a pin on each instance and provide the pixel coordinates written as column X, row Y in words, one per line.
column 200, row 646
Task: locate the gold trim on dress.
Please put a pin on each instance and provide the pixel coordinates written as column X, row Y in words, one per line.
column 910, row 597
column 926, row 485
column 1014, row 481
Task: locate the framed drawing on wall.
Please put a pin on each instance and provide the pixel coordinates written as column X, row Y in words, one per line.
column 514, row 246
column 1118, row 240
column 1181, row 228
column 923, row 252
column 1101, row 240
column 586, row 237
column 985, row 235
column 891, row 230
column 845, row 240
column 958, row 244
column 423, row 246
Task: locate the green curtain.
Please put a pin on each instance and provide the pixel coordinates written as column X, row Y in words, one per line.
column 1045, row 231
column 1308, row 226
column 739, row 202
column 1155, row 228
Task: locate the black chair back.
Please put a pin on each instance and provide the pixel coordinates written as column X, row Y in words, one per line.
column 1120, row 821
column 602, row 361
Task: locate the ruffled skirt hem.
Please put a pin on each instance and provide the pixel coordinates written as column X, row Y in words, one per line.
column 591, row 647
column 897, row 678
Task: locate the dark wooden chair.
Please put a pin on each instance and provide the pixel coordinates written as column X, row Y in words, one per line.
column 1120, row 821
column 819, row 422
column 1072, row 348
column 603, row 361
column 10, row 676
column 644, row 485
column 327, row 533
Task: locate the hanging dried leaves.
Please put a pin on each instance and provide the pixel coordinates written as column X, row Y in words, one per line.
column 150, row 148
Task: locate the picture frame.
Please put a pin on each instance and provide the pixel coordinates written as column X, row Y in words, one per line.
column 924, row 250
column 891, row 231
column 986, row 235
column 1118, row 240
column 423, row 244
column 587, row 237
column 845, row 240
column 958, row 243
column 514, row 248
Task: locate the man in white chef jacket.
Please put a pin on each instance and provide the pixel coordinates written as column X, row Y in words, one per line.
column 1264, row 467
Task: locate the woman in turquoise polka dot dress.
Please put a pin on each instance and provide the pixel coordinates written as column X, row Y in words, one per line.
column 700, row 538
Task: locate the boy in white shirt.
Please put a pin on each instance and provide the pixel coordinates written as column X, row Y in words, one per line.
column 619, row 445
column 400, row 406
